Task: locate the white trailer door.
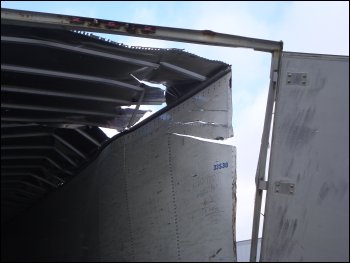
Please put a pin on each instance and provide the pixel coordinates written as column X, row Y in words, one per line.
column 307, row 204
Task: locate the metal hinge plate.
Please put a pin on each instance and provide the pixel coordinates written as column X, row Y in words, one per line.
column 284, row 188
column 275, row 76
column 300, row 79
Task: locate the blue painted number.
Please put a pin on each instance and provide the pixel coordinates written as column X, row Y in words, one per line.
column 220, row 166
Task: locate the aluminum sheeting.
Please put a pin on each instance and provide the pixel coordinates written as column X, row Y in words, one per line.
column 180, row 205
column 307, row 205
column 151, row 195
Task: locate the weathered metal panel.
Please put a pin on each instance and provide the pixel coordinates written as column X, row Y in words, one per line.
column 180, row 207
column 114, row 228
column 203, row 186
column 207, row 114
column 150, row 197
column 307, row 205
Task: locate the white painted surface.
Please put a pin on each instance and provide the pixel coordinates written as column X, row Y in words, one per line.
column 310, row 149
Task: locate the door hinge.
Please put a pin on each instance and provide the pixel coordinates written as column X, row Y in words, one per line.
column 263, row 185
column 275, row 76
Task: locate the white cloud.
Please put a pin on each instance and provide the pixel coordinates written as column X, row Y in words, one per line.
column 228, row 17
column 247, row 140
column 86, row 11
column 316, row 27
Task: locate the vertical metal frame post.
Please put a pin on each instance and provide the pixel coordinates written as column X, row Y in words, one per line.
column 260, row 172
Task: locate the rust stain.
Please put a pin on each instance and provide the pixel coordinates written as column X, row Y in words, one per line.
column 209, row 34
column 130, row 28
column 137, row 29
column 76, row 20
column 113, row 25
column 148, row 29
column 94, row 22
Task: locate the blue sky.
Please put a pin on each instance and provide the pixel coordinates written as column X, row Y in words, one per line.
column 123, row 9
column 312, row 27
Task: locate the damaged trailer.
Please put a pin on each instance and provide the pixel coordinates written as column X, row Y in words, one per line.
column 70, row 193
column 161, row 190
